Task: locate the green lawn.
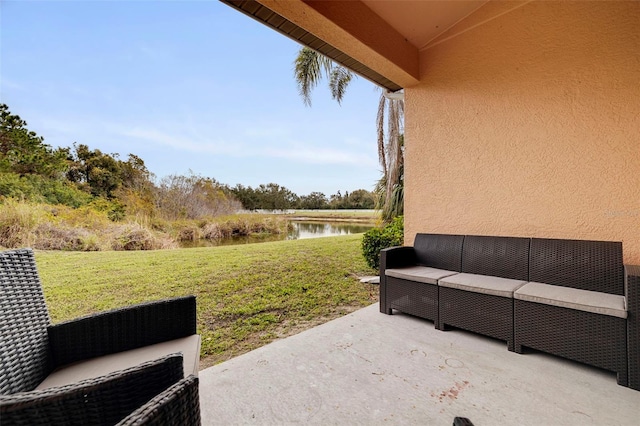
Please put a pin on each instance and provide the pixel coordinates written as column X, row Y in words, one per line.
column 248, row 295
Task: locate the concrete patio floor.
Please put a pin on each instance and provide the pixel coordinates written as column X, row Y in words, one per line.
column 369, row 368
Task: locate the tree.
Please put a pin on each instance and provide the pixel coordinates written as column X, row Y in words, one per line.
column 24, row 152
column 361, row 199
column 193, row 197
column 100, row 173
column 310, row 66
column 314, row 201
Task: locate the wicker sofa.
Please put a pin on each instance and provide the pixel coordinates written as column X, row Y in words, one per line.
column 570, row 298
column 575, row 304
column 137, row 361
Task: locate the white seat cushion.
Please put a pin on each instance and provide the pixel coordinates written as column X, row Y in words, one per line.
column 573, row 298
column 96, row 367
column 421, row 274
column 485, row 284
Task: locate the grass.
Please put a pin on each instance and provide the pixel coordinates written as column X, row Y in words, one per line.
column 88, row 228
column 248, row 295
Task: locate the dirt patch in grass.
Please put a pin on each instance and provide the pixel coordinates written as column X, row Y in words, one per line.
column 286, row 328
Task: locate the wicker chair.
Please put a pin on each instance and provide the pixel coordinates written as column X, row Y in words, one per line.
column 480, row 299
column 42, row 364
column 409, row 275
column 177, row 405
column 589, row 337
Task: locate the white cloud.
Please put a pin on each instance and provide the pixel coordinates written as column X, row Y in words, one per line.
column 303, row 153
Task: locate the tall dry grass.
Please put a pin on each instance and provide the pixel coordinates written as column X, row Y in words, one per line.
column 47, row 227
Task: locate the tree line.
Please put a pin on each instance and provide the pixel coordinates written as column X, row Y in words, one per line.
column 78, row 175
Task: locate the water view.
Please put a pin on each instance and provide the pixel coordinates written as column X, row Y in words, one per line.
column 300, row 230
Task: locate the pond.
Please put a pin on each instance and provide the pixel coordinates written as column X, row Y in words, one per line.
column 301, row 230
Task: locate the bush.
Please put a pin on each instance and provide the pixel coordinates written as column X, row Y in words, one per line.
column 377, row 239
column 38, row 189
column 135, row 237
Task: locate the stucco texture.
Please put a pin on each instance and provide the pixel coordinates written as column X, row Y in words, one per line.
column 529, row 125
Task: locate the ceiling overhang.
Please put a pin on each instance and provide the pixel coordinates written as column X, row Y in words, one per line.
column 381, row 40
column 282, row 24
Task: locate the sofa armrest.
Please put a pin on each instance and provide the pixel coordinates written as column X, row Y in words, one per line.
column 632, row 293
column 178, row 405
column 393, row 257
column 100, row 401
column 396, row 257
column 122, row 329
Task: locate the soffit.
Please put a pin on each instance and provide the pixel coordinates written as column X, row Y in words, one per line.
column 262, row 14
column 419, row 21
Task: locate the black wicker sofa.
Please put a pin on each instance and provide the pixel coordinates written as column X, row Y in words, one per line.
column 570, row 298
column 134, row 365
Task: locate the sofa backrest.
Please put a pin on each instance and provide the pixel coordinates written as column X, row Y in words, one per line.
column 25, row 357
column 440, row 251
column 586, row 265
column 506, row 257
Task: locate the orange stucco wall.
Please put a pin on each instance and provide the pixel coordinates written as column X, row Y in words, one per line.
column 529, row 125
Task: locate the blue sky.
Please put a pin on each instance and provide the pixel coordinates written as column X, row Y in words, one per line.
column 185, row 85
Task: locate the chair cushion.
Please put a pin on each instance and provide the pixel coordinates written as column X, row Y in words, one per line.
column 96, row 367
column 486, row 284
column 100, row 401
column 573, row 298
column 421, row 274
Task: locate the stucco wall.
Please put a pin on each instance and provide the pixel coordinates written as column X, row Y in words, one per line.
column 529, row 125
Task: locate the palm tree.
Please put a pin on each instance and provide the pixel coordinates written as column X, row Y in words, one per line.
column 310, row 68
column 390, row 187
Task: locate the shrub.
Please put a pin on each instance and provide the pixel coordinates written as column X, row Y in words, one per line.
column 39, row 189
column 50, row 236
column 377, row 239
column 17, row 221
column 135, row 237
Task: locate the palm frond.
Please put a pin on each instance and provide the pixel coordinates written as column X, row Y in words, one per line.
column 308, row 72
column 338, row 82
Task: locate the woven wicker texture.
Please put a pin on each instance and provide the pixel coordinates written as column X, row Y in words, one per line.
column 594, row 339
column 480, row 313
column 28, row 346
column 101, row 401
column 439, row 251
column 633, row 325
column 178, row 405
column 506, row 257
column 123, row 329
column 393, row 257
column 413, row 298
column 25, row 359
column 587, row 265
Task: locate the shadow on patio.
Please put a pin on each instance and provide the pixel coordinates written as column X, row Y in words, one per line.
column 370, row 368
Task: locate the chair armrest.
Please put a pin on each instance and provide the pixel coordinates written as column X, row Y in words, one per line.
column 632, row 287
column 122, row 329
column 393, row 257
column 396, row 257
column 178, row 405
column 632, row 293
column 100, row 401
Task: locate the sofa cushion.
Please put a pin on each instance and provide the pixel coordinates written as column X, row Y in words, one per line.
column 486, row 284
column 573, row 298
column 421, row 274
column 96, row 367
